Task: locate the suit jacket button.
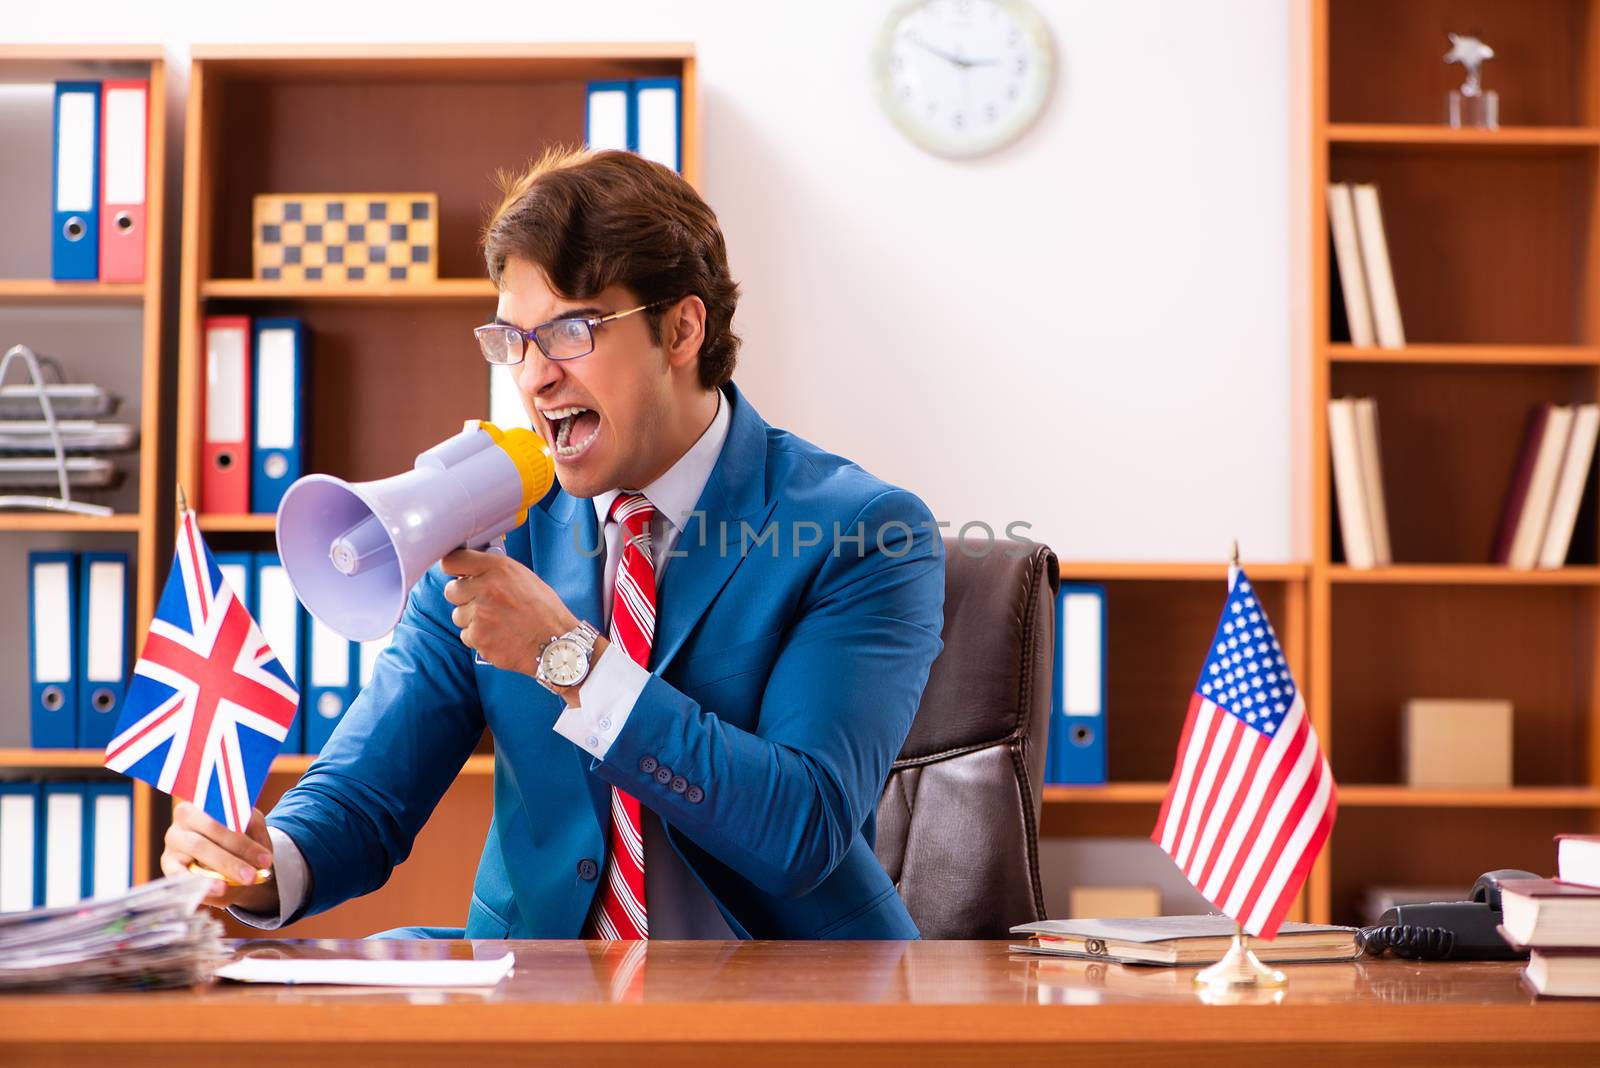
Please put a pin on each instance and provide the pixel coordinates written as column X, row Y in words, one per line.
column 679, row 784
column 587, row 870
column 647, row 764
column 694, row 795
column 663, row 774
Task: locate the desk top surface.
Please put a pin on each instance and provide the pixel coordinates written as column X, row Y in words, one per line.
column 697, row 991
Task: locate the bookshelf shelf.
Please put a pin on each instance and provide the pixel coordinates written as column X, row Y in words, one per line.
column 1440, row 135
column 1354, row 795
column 46, row 291
column 1111, row 793
column 1496, row 355
column 88, row 53
column 445, row 289
column 1177, row 572
column 1463, row 575
column 53, row 522
column 45, row 759
column 218, row 523
column 1515, row 797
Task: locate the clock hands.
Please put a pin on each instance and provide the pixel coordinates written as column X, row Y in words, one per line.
column 964, row 64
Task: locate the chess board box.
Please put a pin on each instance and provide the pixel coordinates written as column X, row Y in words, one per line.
column 346, row 237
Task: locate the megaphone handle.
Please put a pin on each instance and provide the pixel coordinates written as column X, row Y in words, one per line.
column 498, row 545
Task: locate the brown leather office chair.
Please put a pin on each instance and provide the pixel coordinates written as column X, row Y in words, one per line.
column 958, row 823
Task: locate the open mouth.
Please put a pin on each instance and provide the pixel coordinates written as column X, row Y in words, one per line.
column 575, row 430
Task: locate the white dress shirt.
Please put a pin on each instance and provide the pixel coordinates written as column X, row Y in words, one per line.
column 678, row 905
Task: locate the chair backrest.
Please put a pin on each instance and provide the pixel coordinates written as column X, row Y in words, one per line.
column 958, row 823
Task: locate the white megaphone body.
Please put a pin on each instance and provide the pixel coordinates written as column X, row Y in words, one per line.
column 353, row 550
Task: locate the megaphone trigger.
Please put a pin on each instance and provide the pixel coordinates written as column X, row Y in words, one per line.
column 498, row 546
column 353, row 551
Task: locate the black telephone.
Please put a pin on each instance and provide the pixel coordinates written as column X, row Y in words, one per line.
column 1446, row 930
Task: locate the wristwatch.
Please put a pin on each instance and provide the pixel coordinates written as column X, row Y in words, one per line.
column 565, row 661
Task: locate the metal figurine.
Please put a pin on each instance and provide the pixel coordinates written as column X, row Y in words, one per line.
column 1472, row 105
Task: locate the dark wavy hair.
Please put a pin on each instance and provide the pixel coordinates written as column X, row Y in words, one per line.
column 594, row 219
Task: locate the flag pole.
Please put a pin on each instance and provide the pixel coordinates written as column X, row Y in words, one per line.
column 262, row 874
column 1239, row 975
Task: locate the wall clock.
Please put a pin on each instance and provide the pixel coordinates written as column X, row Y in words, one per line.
column 963, row 77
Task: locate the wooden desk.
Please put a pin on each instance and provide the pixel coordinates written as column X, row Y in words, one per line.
column 709, row 1003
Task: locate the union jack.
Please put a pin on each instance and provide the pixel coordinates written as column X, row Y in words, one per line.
column 209, row 705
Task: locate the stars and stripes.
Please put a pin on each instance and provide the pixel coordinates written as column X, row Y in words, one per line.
column 1252, row 799
column 209, row 704
column 619, row 910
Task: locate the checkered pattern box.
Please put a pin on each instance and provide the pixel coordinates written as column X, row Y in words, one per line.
column 346, row 237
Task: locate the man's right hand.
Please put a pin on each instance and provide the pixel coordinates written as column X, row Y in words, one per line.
column 195, row 836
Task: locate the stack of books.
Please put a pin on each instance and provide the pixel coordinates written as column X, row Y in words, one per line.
column 1358, row 481
column 1180, row 940
column 1364, row 282
column 1558, row 920
column 1541, row 506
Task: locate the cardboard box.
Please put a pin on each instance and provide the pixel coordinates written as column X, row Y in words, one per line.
column 1113, row 902
column 1456, row 743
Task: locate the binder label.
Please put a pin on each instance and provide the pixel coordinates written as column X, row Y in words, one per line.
column 276, row 404
column 105, row 625
column 125, row 141
column 75, row 137
column 225, row 376
column 330, row 656
column 52, row 623
column 1081, row 680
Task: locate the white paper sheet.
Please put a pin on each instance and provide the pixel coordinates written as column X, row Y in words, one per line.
column 360, row 972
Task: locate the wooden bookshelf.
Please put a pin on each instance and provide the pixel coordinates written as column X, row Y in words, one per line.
column 1495, row 242
column 49, row 291
column 1492, row 355
column 393, row 367
column 143, row 524
column 471, row 290
column 1496, row 256
column 1373, row 133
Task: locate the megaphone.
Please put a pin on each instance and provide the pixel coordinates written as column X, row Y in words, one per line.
column 353, row 550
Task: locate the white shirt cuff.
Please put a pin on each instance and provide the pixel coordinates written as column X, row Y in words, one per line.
column 606, row 699
column 289, row 869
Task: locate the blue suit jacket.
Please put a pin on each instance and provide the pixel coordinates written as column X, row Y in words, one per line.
column 786, row 671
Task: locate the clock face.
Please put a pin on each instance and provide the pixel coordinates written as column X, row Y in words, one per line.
column 963, row 77
column 564, row 662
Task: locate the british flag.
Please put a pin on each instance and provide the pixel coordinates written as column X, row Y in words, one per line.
column 209, row 705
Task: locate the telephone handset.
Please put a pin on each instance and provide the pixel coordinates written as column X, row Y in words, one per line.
column 1447, row 930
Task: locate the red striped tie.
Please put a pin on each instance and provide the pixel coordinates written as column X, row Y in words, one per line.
column 619, row 910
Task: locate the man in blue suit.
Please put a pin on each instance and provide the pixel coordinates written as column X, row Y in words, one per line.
column 698, row 657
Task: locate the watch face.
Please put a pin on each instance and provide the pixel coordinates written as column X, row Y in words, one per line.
column 564, row 662
column 963, row 77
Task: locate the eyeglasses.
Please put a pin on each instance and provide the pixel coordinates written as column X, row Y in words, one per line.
column 559, row 339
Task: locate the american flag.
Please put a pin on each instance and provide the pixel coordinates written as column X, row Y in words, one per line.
column 209, row 704
column 1252, row 799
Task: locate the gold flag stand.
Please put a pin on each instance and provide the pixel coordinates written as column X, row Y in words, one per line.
column 1240, row 972
column 1240, row 975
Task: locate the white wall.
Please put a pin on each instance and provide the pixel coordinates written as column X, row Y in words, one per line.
column 1087, row 331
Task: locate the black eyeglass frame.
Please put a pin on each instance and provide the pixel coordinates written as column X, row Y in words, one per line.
column 501, row 329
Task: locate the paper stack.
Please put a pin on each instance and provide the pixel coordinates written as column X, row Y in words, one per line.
column 148, row 937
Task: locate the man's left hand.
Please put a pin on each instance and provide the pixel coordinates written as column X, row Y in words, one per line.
column 506, row 612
